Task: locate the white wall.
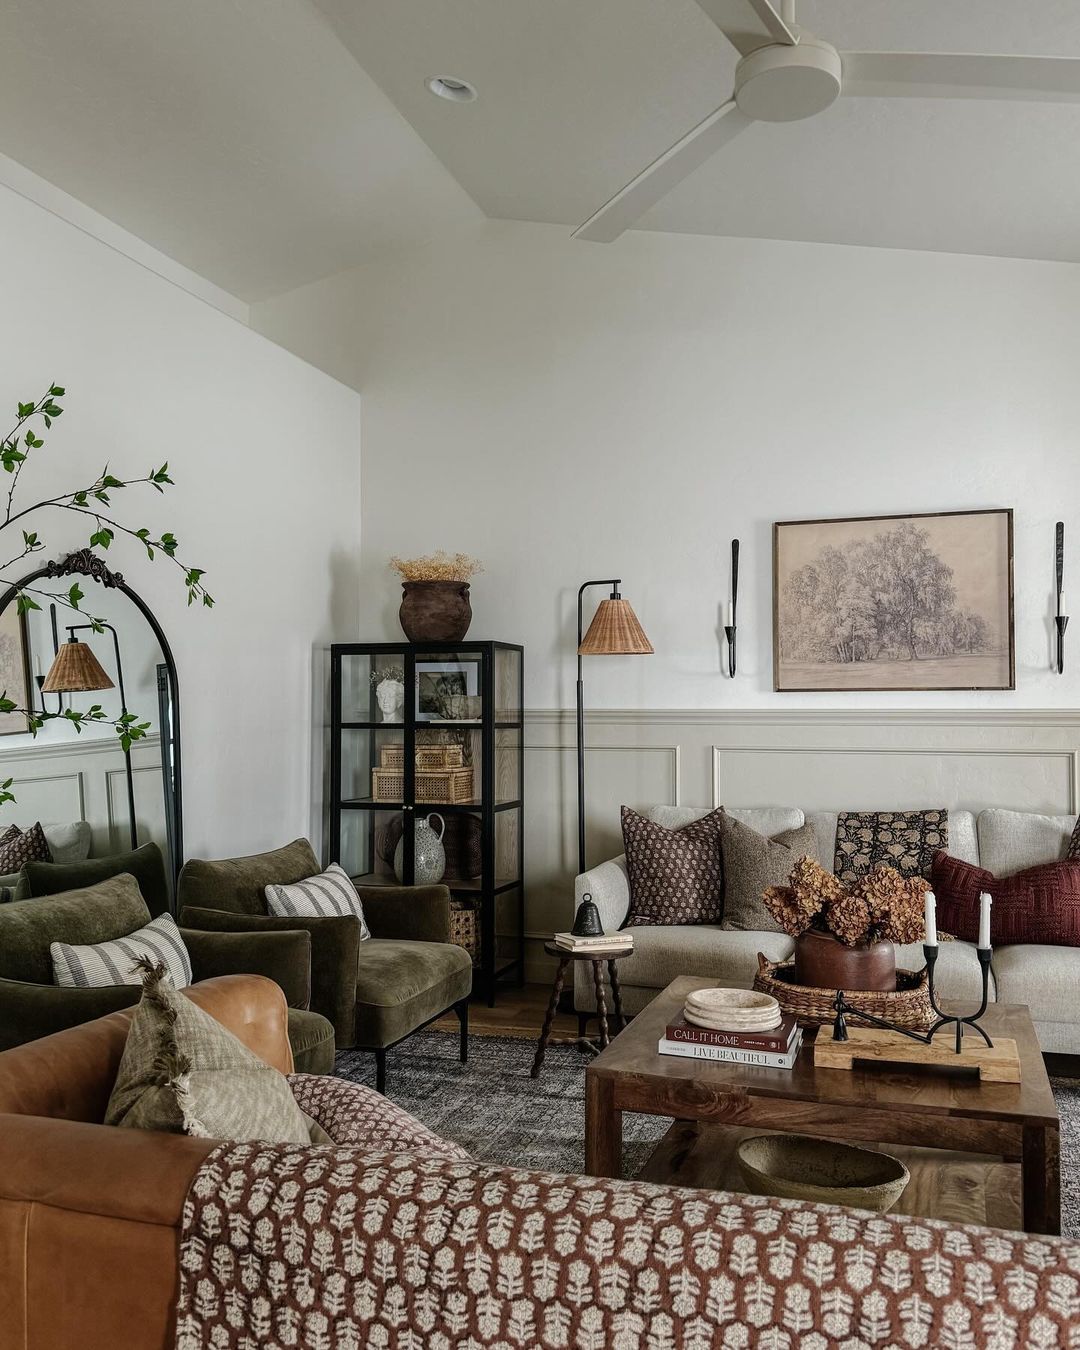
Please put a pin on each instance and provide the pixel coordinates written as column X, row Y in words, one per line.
column 265, row 454
column 567, row 410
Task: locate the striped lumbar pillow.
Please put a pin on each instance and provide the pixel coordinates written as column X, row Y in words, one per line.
column 318, row 898
column 103, row 963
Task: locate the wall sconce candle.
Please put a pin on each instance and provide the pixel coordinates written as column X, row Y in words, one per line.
column 729, row 626
column 1061, row 617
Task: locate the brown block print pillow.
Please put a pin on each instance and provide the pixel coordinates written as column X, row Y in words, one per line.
column 675, row 875
column 904, row 840
column 18, row 848
column 752, row 863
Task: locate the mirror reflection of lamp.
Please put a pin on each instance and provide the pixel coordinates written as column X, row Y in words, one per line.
column 76, row 670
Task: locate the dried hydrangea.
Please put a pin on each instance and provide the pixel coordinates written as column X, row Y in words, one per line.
column 848, row 917
column 814, row 887
column 782, row 904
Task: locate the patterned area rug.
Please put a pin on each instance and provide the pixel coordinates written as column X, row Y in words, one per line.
column 501, row 1115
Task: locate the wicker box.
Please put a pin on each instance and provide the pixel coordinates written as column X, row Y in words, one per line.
column 448, row 786
column 465, row 927
column 427, row 757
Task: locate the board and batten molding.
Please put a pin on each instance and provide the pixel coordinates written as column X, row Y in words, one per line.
column 1026, row 760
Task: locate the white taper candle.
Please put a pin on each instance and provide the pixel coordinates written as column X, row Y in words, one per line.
column 930, row 916
column 1061, row 603
column 730, row 620
column 985, row 901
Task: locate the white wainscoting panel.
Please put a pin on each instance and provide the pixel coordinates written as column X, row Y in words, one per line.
column 973, row 759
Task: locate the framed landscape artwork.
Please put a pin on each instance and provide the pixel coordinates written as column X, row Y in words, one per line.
column 14, row 668
column 894, row 602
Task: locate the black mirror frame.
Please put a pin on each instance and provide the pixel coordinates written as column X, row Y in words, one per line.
column 84, row 562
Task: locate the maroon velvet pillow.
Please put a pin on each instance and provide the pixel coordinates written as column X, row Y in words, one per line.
column 1039, row 905
column 676, row 876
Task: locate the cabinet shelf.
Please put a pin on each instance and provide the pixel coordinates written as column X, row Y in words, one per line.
column 493, row 744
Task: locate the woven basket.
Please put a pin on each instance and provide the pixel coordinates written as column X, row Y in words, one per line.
column 448, row 786
column 465, row 927
column 908, row 1006
column 427, row 757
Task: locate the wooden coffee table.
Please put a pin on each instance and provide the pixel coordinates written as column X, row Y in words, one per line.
column 907, row 1107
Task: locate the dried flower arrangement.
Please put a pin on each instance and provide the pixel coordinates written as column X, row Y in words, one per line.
column 880, row 906
column 438, row 566
column 387, row 673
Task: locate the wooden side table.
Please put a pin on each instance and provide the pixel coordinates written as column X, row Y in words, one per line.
column 598, row 960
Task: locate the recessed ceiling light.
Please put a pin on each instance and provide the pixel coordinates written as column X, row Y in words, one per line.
column 457, row 91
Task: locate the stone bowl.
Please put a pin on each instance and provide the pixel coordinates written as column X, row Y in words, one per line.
column 794, row 1167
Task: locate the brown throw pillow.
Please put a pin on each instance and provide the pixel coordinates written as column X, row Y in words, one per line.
column 17, row 848
column 752, row 863
column 182, row 1072
column 1039, row 905
column 675, row 875
column 904, row 840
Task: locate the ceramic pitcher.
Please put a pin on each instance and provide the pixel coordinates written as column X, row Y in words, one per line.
column 429, row 857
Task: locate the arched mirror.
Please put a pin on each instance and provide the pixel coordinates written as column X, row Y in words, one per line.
column 93, row 796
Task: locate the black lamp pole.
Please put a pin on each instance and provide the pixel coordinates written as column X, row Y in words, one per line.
column 72, row 630
column 614, row 584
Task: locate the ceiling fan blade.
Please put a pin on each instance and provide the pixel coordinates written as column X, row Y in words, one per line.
column 631, row 202
column 748, row 24
column 1038, row 79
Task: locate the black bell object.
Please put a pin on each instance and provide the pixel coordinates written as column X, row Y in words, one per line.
column 587, row 919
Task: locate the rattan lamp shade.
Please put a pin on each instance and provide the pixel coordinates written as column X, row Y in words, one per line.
column 615, row 631
column 76, row 670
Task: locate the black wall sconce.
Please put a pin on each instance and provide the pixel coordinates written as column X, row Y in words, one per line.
column 730, row 624
column 1061, row 618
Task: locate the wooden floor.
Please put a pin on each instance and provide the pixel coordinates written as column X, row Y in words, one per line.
column 953, row 1186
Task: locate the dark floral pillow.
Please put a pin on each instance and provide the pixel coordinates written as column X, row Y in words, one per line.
column 676, row 876
column 18, row 848
column 1073, row 851
column 904, row 840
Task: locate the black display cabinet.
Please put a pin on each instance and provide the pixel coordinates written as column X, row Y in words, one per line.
column 426, row 728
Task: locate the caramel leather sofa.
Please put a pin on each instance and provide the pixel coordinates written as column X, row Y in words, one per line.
column 90, row 1214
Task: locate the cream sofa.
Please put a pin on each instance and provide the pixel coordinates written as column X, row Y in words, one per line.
column 1047, row 979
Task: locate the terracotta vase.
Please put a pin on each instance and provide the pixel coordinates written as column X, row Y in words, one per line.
column 435, row 611
column 824, row 962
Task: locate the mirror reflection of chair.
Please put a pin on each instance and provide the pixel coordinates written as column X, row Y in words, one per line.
column 62, row 775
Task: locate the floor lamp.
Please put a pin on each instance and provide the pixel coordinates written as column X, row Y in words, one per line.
column 76, row 670
column 614, row 631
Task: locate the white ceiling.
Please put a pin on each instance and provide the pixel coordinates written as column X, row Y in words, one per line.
column 236, row 136
column 576, row 96
column 258, row 142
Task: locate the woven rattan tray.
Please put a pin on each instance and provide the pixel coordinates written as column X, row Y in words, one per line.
column 909, row 1006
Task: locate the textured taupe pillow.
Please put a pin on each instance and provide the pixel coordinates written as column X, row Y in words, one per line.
column 182, row 1072
column 752, row 863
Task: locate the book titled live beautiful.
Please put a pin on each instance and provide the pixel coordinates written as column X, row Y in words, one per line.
column 775, row 1042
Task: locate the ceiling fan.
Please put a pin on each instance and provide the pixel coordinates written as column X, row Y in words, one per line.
column 787, row 74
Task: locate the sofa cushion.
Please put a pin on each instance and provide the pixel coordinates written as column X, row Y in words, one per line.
column 903, row 840
column 183, row 1072
column 331, row 892
column 238, row 885
column 111, row 909
column 312, row 1039
column 146, row 864
column 363, row 1118
column 1045, row 978
column 402, row 985
column 1038, row 905
column 1010, row 841
column 768, row 820
column 752, row 863
column 95, row 965
column 957, row 974
column 68, row 841
column 676, row 875
column 660, row 955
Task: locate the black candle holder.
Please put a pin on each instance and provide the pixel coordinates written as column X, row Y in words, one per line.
column 844, row 1009
column 729, row 633
column 729, row 629
column 1061, row 622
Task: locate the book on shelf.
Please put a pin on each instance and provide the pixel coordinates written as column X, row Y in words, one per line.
column 777, row 1041
column 725, row 1054
column 597, row 942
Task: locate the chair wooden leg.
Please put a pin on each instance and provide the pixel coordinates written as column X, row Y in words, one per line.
column 601, row 1003
column 380, row 1071
column 582, row 1025
column 462, row 1010
column 556, row 990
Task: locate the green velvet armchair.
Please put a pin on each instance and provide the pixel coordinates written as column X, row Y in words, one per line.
column 376, row 992
column 110, row 905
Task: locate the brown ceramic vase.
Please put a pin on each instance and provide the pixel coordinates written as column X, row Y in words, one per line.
column 824, row 962
column 435, row 611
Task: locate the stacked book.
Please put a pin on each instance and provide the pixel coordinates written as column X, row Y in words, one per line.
column 734, row 1027
column 599, row 943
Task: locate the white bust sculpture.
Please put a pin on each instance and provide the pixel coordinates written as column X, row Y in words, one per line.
column 390, row 695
